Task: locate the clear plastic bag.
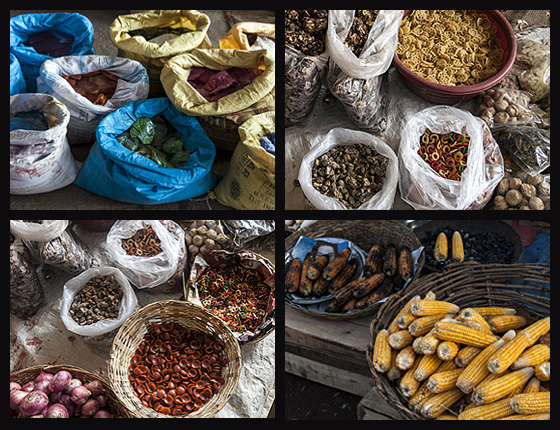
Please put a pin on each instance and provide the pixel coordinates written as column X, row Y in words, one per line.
column 102, row 330
column 340, row 136
column 26, row 294
column 145, row 272
column 422, row 187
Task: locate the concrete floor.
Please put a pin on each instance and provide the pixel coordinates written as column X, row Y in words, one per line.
column 73, row 197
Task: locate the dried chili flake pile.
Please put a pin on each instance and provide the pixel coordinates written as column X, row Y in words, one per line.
column 236, row 295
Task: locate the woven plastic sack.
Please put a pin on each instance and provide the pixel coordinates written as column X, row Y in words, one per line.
column 154, row 55
column 85, row 116
column 40, row 161
column 250, row 180
column 237, row 37
column 61, row 24
column 114, row 171
column 423, row 188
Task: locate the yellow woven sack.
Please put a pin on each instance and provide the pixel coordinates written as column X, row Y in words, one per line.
column 236, row 38
column 250, row 180
column 153, row 55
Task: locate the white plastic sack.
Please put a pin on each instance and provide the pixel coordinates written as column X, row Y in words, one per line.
column 145, row 272
column 379, row 48
column 40, row 161
column 73, row 286
column 85, row 116
column 48, row 230
column 383, row 200
column 422, row 187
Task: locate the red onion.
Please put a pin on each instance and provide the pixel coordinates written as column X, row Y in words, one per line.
column 33, row 403
column 95, row 387
column 102, row 413
column 72, row 383
column 44, row 376
column 28, row 386
column 16, row 397
column 67, row 402
column 59, row 381
column 14, row 386
column 43, row 386
column 102, row 400
column 90, row 407
column 56, row 411
column 80, row 394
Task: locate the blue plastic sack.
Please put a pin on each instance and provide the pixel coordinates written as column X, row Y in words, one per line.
column 113, row 171
column 59, row 23
column 17, row 83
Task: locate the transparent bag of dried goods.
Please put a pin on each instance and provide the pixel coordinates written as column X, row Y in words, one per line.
column 382, row 200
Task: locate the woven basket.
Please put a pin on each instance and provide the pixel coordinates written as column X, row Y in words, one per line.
column 114, row 405
column 188, row 315
column 466, row 284
column 364, row 233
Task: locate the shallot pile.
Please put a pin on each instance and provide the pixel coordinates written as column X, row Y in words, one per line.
column 59, row 395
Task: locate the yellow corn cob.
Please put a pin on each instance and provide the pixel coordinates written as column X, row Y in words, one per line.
column 406, row 320
column 394, row 326
column 382, row 352
column 441, row 247
column 400, row 339
column 443, row 381
column 422, row 308
column 422, row 325
column 466, row 355
column 405, row 358
column 477, row 369
column 429, row 343
column 493, row 411
column 494, row 310
column 474, row 319
column 542, row 371
column 408, row 384
column 528, row 417
column 499, row 388
column 440, row 403
column 531, row 403
column 447, row 350
column 503, row 323
column 428, row 365
column 394, row 372
column 537, row 329
column 532, row 356
column 462, row 333
column 457, row 251
column 419, row 397
column 533, row 386
column 505, row 357
column 447, row 417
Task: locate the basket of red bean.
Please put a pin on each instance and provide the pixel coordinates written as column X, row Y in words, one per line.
column 174, row 359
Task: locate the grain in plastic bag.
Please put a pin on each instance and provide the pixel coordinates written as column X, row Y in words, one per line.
column 382, row 200
column 423, row 188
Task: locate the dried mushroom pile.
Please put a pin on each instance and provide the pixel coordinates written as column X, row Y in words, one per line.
column 306, row 29
column 352, row 173
column 358, row 34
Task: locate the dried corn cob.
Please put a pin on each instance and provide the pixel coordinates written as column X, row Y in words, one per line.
column 381, row 352
column 419, row 397
column 400, row 339
column 427, row 366
column 537, row 329
column 316, row 268
column 305, row 284
column 493, row 411
column 533, row 386
column 477, row 369
column 368, row 285
column 532, row 356
column 390, row 260
column 405, row 266
column 405, row 358
column 531, row 403
column 461, row 333
column 320, row 286
column 441, row 247
column 336, row 264
column 505, row 357
column 429, row 343
column 350, row 304
column 489, row 392
column 394, row 372
column 443, row 381
column 343, row 277
column 405, row 320
column 542, row 371
column 503, row 323
column 466, row 355
column 474, row 319
column 380, row 293
column 528, row 417
column 486, row 311
column 440, row 403
column 447, row 350
column 293, row 275
column 393, row 327
column 408, row 384
column 457, row 251
column 421, row 326
column 374, row 260
column 422, row 308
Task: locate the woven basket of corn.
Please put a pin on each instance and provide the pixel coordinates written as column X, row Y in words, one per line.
column 172, row 361
column 364, row 234
column 114, row 405
column 522, row 287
